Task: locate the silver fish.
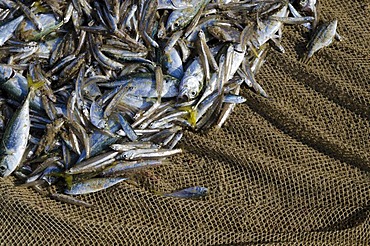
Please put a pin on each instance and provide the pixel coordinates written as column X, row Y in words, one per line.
column 269, row 28
column 8, row 29
column 15, row 139
column 92, row 185
column 323, row 37
column 192, row 82
column 191, row 192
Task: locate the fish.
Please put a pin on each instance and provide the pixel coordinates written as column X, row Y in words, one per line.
column 7, row 29
column 192, row 82
column 191, row 192
column 180, row 18
column 92, row 185
column 89, row 164
column 15, row 139
column 125, row 166
column 269, row 28
column 173, row 64
column 70, row 200
column 322, row 37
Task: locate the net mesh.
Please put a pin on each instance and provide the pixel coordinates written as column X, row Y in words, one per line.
column 283, row 171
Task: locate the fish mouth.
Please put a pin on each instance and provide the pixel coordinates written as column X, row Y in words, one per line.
column 183, row 96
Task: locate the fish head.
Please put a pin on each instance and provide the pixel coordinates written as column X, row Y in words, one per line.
column 202, row 191
column 4, row 168
column 189, row 88
column 175, row 21
column 307, row 5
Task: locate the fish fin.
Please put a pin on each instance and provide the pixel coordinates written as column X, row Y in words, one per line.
column 34, row 84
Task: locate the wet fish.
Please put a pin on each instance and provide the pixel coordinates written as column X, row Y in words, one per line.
column 323, row 37
column 192, row 82
column 15, row 139
column 92, row 185
column 7, row 29
column 191, row 192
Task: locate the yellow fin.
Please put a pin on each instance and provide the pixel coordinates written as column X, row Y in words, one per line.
column 192, row 119
column 68, row 179
column 34, row 84
column 254, row 51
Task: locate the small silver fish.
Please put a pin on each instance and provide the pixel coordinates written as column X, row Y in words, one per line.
column 180, row 18
column 269, row 28
column 15, row 139
column 192, row 82
column 323, row 37
column 8, row 29
column 191, row 192
column 92, row 185
column 70, row 200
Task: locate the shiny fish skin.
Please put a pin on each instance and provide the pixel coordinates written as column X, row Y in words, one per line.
column 269, row 28
column 100, row 140
column 173, row 63
column 231, row 98
column 7, row 29
column 127, row 128
column 135, row 155
column 175, row 4
column 124, row 166
column 192, row 82
column 15, row 139
column 80, row 167
column 323, row 37
column 191, row 192
column 143, row 85
column 70, row 200
column 92, row 185
column 182, row 17
column 97, row 115
column 6, row 72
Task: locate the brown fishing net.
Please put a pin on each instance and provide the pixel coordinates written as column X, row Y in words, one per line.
column 289, row 170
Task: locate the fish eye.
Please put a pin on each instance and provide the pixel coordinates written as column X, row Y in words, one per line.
column 193, row 93
column 2, row 169
column 176, row 25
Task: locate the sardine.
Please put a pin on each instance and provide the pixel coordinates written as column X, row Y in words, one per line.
column 191, row 192
column 15, row 139
column 192, row 82
column 92, row 185
column 323, row 37
column 7, row 29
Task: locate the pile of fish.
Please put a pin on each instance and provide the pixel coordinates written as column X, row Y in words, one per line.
column 92, row 91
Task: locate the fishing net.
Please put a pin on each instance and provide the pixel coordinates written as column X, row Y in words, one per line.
column 291, row 169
